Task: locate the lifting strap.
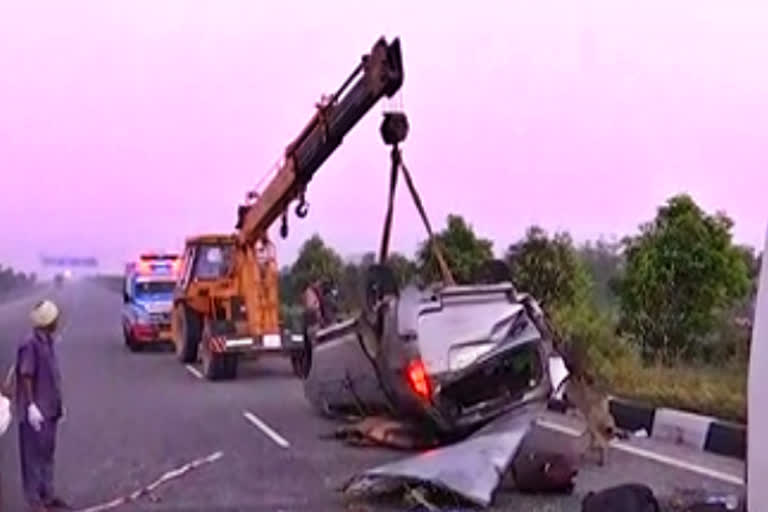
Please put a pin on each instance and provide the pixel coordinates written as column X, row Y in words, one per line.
column 433, row 242
column 384, row 248
column 434, row 247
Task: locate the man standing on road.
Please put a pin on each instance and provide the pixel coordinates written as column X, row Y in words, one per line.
column 39, row 408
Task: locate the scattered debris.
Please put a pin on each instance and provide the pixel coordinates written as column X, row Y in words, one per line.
column 696, row 500
column 543, row 472
column 626, row 497
column 148, row 490
column 383, row 431
column 417, row 495
column 641, row 434
column 471, row 469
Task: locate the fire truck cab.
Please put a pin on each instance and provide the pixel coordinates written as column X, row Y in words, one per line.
column 148, row 299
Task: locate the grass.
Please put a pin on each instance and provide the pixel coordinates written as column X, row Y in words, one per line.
column 719, row 392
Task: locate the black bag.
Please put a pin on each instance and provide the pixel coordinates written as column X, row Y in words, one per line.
column 622, row 498
column 542, row 472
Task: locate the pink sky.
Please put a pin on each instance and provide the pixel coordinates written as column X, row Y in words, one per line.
column 128, row 125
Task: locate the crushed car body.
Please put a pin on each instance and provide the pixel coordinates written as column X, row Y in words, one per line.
column 449, row 359
column 471, row 469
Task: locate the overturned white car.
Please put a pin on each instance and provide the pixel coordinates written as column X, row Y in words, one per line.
column 450, row 359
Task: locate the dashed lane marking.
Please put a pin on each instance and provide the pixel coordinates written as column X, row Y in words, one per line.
column 194, row 371
column 274, row 436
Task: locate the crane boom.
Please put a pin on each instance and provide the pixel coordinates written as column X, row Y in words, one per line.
column 381, row 74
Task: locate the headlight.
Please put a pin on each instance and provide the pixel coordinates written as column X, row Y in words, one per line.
column 461, row 357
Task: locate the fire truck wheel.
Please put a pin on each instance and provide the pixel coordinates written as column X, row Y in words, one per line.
column 130, row 343
column 189, row 329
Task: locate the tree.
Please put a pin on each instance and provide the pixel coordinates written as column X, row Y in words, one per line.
column 405, row 270
column 548, row 268
column 288, row 292
column 604, row 263
column 352, row 282
column 465, row 253
column 11, row 280
column 316, row 261
column 682, row 271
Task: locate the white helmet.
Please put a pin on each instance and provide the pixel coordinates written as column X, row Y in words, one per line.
column 44, row 314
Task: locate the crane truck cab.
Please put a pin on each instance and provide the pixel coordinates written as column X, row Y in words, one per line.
column 226, row 305
column 148, row 298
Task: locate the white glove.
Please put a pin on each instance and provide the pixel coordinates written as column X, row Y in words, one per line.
column 35, row 417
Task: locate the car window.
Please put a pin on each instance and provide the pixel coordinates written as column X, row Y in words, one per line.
column 154, row 287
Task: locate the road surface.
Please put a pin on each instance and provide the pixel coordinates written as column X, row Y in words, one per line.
column 132, row 417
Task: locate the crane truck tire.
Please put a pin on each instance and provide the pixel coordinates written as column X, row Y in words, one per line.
column 189, row 332
column 219, row 366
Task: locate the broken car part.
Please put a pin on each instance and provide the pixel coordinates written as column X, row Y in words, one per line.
column 471, row 469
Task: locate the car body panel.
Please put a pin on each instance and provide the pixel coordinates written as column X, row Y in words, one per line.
column 342, row 377
column 471, row 468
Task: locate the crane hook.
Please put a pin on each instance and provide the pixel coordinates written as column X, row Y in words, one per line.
column 302, row 209
column 284, row 225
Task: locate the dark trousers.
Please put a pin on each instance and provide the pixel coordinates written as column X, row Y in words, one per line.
column 37, row 454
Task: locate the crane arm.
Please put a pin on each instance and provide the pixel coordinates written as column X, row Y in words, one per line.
column 380, row 74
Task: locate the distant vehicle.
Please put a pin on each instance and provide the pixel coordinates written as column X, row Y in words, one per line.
column 450, row 359
column 58, row 280
column 148, row 299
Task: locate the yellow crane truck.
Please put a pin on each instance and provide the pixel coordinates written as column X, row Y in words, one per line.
column 226, row 303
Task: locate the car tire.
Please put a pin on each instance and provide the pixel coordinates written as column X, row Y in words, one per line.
column 300, row 364
column 189, row 332
column 301, row 361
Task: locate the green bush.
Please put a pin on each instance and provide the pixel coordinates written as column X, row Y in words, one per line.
column 619, row 369
column 720, row 392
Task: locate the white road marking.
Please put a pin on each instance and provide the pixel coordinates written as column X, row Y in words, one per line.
column 277, row 438
column 194, row 371
column 147, row 490
column 641, row 452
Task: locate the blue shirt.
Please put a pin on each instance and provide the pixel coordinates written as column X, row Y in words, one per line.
column 36, row 359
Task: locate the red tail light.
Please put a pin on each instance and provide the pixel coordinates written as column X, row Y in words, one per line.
column 418, row 379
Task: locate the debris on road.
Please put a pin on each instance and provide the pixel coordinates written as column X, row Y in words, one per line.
column 695, row 500
column 543, row 472
column 471, row 469
column 626, row 497
column 149, row 489
column 387, row 432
